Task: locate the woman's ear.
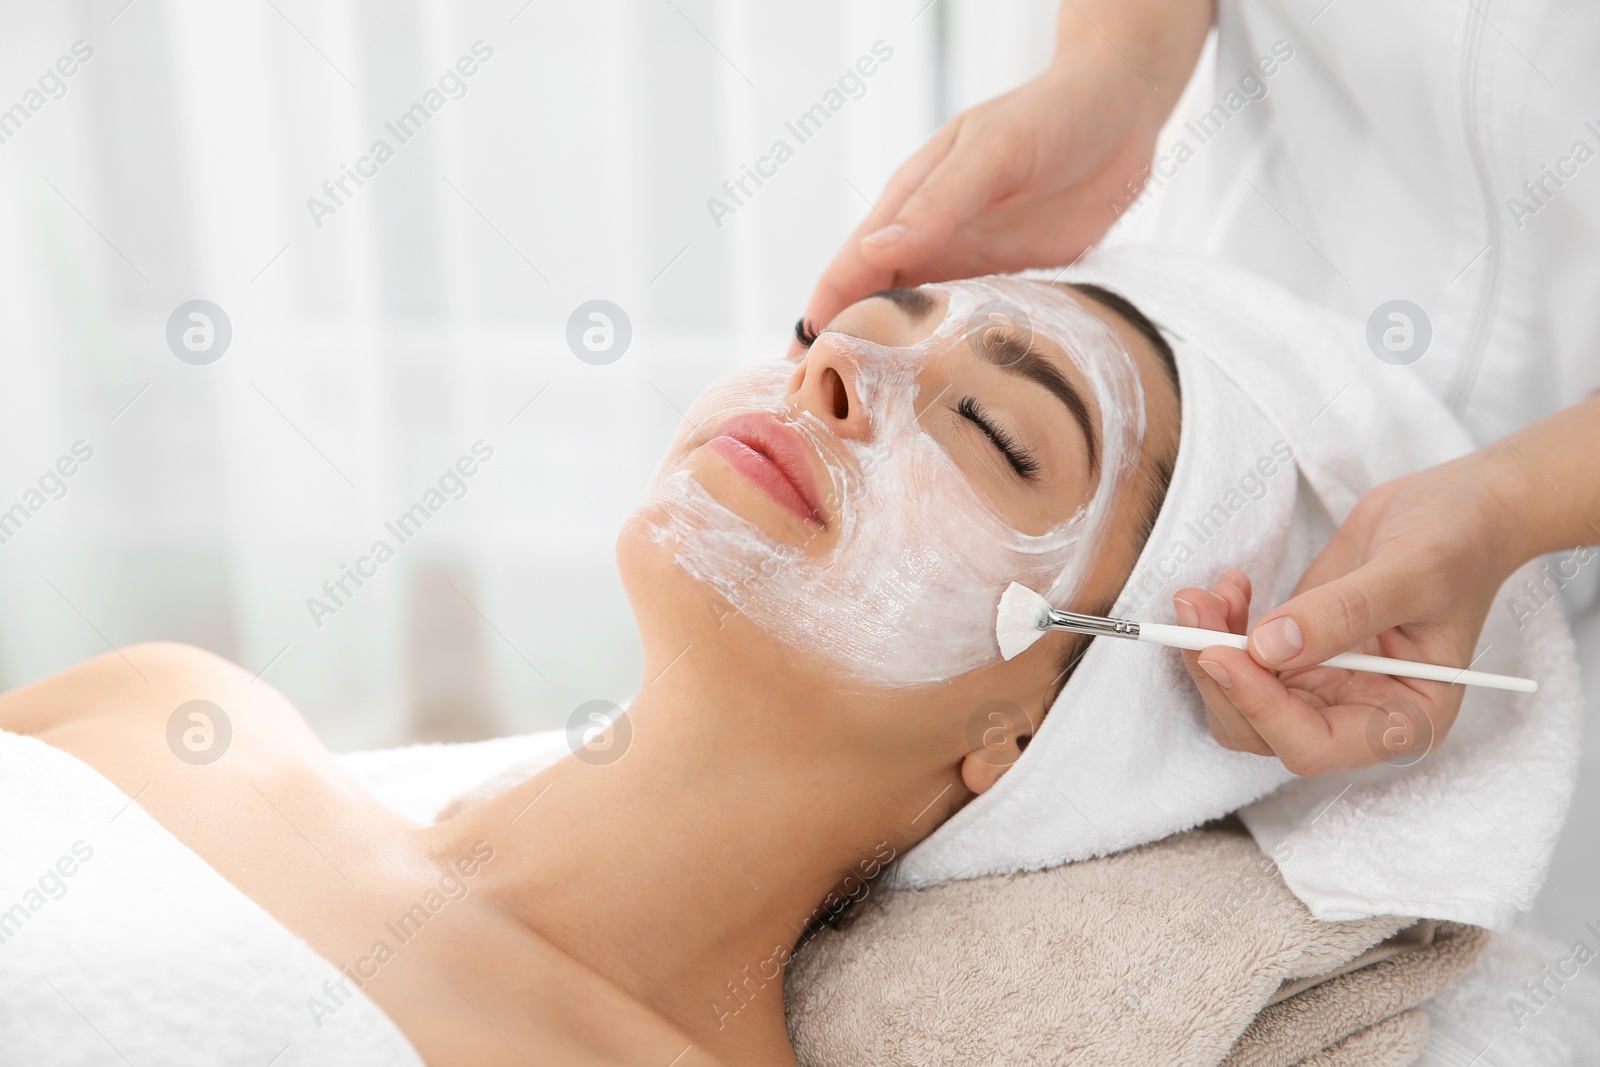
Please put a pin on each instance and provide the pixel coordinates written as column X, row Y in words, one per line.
column 998, row 732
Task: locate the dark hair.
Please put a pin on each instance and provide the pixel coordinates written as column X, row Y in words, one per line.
column 1156, row 480
column 1138, row 320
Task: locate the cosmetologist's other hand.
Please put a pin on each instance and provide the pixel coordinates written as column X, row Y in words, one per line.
column 1031, row 178
column 1412, row 575
column 1407, row 576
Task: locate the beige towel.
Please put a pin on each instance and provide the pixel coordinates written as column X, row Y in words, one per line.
column 1353, row 1014
column 1190, row 951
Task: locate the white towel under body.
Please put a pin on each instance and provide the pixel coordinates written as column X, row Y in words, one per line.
column 143, row 953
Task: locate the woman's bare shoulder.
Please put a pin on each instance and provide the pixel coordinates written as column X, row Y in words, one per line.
column 170, row 715
column 125, row 682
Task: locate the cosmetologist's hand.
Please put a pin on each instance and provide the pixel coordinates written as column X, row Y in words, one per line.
column 1412, row 574
column 1031, row 178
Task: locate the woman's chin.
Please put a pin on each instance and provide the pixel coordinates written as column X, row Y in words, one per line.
column 676, row 611
column 667, row 601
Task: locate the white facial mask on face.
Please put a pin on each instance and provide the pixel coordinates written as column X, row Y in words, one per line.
column 906, row 594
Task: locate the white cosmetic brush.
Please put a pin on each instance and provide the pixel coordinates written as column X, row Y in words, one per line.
column 1025, row 616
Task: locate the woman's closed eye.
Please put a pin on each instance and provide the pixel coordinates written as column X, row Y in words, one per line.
column 1021, row 459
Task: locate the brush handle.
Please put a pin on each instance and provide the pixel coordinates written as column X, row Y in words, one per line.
column 1195, row 639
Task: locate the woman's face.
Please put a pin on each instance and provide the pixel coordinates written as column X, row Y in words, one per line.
column 865, row 509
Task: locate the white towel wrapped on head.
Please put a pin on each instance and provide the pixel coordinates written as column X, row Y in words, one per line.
column 1288, row 419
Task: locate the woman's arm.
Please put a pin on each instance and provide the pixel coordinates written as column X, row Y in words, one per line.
column 1413, row 573
column 1031, row 178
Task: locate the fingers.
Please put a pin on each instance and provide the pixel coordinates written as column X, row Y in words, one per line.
column 910, row 178
column 905, row 237
column 1310, row 740
column 1337, row 616
column 975, row 172
column 910, row 175
column 1234, row 589
column 851, row 276
column 1228, row 727
column 1223, row 607
column 1249, row 708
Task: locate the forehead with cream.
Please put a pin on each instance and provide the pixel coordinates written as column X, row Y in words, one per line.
column 904, row 592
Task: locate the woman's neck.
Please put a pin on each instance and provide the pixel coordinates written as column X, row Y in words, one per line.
column 686, row 870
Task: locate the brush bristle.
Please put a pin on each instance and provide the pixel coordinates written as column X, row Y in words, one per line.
column 1020, row 619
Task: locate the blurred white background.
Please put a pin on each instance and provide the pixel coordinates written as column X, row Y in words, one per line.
column 423, row 315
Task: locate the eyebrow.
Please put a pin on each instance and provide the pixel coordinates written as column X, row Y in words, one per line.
column 1021, row 358
column 914, row 302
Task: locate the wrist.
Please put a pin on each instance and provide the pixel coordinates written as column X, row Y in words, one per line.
column 1150, row 46
column 1513, row 499
column 1092, row 80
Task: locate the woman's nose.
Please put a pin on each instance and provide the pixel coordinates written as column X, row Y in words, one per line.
column 825, row 384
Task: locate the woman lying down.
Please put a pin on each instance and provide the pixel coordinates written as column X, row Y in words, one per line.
column 814, row 575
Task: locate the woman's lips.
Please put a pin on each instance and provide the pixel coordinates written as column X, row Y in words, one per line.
column 775, row 458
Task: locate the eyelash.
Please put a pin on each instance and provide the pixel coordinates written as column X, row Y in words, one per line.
column 805, row 333
column 1022, row 461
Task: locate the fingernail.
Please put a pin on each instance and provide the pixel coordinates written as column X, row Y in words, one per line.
column 1188, row 614
column 886, row 236
column 1218, row 673
column 1279, row 640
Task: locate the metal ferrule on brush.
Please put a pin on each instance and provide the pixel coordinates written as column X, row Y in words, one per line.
column 1092, row 625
